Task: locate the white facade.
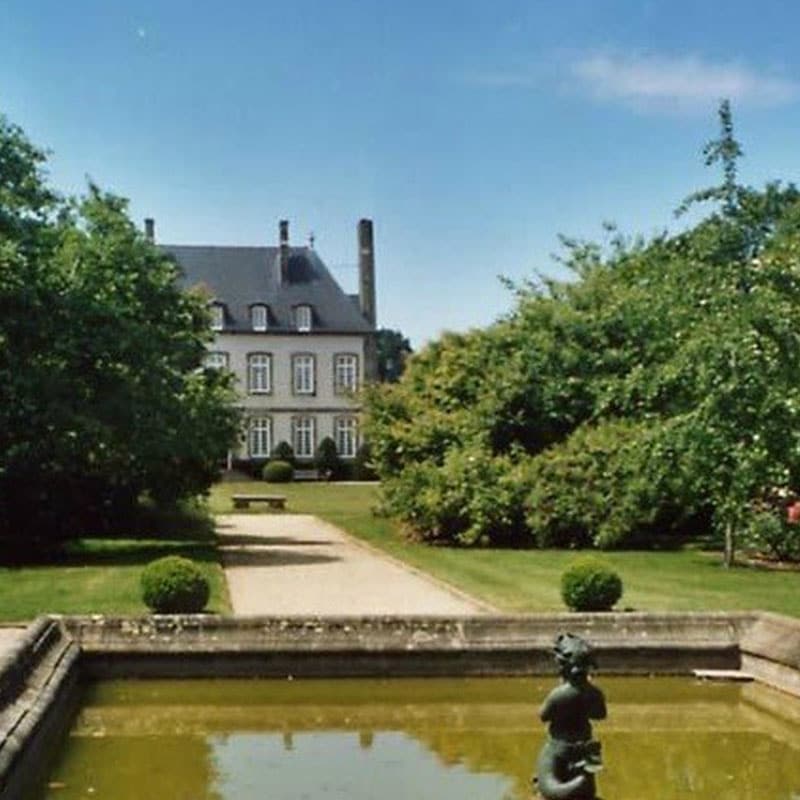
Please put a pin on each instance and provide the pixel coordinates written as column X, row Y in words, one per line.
column 300, row 347
column 298, row 388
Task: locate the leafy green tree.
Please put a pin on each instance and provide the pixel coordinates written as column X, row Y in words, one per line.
column 102, row 392
column 675, row 360
column 393, row 349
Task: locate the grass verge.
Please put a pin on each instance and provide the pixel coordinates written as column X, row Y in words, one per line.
column 101, row 575
column 528, row 580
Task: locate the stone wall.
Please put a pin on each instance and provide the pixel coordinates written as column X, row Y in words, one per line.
column 382, row 646
column 770, row 651
column 38, row 694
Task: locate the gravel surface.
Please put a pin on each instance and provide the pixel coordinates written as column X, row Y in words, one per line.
column 298, row 564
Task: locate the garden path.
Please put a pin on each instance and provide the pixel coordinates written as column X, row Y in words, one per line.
column 9, row 636
column 298, row 564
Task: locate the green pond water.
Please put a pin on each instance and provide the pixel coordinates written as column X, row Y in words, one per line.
column 665, row 739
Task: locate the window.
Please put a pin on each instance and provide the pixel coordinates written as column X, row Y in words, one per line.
column 345, row 372
column 217, row 316
column 260, row 437
column 303, row 374
column 302, row 318
column 259, row 373
column 216, row 361
column 303, row 437
column 345, row 434
column 258, row 317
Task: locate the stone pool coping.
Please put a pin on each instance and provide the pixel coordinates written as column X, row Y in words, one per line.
column 40, row 674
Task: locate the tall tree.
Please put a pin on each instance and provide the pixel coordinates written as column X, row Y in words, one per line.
column 102, row 391
column 673, row 360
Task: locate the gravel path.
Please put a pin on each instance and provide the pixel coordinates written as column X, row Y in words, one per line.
column 9, row 636
column 298, row 564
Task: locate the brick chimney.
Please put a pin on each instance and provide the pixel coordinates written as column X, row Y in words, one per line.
column 150, row 229
column 366, row 271
column 283, row 254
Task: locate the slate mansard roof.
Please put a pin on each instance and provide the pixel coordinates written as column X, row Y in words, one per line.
column 240, row 277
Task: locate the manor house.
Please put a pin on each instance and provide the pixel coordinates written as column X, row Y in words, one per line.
column 299, row 346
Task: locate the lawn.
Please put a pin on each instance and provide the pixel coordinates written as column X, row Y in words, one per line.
column 99, row 576
column 528, row 580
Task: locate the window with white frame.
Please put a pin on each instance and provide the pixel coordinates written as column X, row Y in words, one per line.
column 259, row 373
column 345, row 434
column 216, row 360
column 303, row 373
column 258, row 317
column 345, row 372
column 303, row 436
column 302, row 318
column 217, row 316
column 260, row 437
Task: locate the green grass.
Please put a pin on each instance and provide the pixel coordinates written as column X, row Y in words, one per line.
column 528, row 580
column 99, row 576
column 301, row 498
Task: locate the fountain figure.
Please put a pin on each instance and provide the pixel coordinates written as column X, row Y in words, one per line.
column 570, row 757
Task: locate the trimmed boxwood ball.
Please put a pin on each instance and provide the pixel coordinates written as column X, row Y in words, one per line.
column 590, row 584
column 278, row 472
column 174, row 585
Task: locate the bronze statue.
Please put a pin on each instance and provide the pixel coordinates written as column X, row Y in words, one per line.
column 570, row 757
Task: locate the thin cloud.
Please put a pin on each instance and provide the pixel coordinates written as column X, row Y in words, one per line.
column 685, row 83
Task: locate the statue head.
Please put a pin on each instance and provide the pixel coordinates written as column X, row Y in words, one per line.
column 574, row 657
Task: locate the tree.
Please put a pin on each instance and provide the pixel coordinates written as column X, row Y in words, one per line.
column 102, row 392
column 393, row 350
column 327, row 459
column 673, row 360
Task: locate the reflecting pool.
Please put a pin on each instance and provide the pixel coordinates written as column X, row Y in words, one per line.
column 665, row 739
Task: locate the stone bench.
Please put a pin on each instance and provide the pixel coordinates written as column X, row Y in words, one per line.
column 306, row 475
column 272, row 500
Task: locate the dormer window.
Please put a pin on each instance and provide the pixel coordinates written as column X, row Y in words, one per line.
column 217, row 316
column 258, row 317
column 302, row 318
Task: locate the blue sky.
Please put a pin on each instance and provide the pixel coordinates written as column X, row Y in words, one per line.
column 471, row 132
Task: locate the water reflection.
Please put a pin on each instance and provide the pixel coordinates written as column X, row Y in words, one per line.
column 395, row 740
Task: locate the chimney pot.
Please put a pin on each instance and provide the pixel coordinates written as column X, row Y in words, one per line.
column 150, row 229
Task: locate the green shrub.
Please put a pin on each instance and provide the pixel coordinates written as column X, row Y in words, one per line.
column 601, row 488
column 473, row 498
column 277, row 472
column 589, row 584
column 174, row 585
column 770, row 533
column 327, row 460
column 283, row 452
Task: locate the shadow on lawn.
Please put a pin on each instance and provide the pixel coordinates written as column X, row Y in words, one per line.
column 144, row 534
column 129, row 552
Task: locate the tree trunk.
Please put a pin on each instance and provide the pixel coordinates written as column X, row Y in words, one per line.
column 730, row 544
